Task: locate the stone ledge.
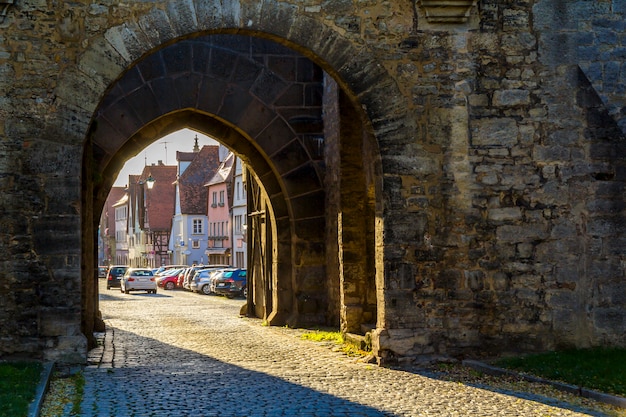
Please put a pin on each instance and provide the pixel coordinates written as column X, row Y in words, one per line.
column 447, row 11
column 34, row 408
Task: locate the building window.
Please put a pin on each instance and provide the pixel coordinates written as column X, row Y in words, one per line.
column 221, row 198
column 238, row 224
column 195, row 244
column 239, row 260
column 214, row 199
column 197, row 226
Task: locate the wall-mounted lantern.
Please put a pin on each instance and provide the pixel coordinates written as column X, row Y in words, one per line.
column 150, row 182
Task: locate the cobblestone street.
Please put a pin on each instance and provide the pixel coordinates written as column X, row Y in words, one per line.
column 182, row 354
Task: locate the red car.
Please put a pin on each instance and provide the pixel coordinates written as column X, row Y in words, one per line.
column 169, row 279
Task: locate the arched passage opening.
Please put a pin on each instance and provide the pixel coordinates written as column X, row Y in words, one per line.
column 300, row 135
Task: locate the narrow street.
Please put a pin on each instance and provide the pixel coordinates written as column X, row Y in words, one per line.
column 182, row 354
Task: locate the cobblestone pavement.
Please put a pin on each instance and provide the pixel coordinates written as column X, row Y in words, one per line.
column 182, row 354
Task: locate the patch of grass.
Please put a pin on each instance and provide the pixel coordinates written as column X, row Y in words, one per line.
column 323, row 336
column 602, row 369
column 18, row 383
column 353, row 351
column 79, row 383
column 335, row 337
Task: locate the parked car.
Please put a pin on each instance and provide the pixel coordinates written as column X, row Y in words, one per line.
column 200, row 282
column 138, row 279
column 102, row 271
column 231, row 283
column 163, row 268
column 183, row 281
column 114, row 275
column 168, row 279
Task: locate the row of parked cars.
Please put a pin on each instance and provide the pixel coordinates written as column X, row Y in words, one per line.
column 205, row 279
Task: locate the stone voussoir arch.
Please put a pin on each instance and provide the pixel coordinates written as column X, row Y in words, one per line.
column 107, row 58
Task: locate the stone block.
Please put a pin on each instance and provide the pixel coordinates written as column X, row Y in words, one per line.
column 521, row 233
column 494, row 132
column 55, row 324
column 610, row 320
column 551, row 153
column 604, row 226
column 182, row 16
column 505, row 214
column 511, row 98
column 157, row 26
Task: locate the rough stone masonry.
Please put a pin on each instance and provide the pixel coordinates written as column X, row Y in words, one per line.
column 474, row 204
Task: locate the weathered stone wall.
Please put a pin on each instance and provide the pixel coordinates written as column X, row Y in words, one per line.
column 500, row 140
column 519, row 221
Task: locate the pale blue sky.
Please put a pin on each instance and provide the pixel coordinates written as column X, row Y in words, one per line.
column 183, row 141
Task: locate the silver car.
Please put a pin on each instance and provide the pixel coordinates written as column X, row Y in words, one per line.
column 201, row 281
column 141, row 279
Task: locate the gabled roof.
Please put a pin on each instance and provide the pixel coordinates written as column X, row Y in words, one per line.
column 224, row 172
column 193, row 194
column 123, row 200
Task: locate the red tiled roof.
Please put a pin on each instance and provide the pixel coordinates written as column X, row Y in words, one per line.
column 193, row 194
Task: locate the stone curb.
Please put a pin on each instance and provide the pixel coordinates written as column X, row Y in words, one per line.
column 572, row 389
column 44, row 382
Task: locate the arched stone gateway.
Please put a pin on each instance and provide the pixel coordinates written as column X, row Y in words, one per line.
column 469, row 196
column 264, row 101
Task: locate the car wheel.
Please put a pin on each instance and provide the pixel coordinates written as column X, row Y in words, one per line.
column 206, row 289
column 244, row 292
column 169, row 285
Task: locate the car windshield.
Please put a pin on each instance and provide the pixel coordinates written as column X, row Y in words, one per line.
column 142, row 273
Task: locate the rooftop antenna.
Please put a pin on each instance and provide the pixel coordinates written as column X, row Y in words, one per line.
column 165, row 143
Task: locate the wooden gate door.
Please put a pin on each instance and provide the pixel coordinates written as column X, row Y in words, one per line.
column 259, row 237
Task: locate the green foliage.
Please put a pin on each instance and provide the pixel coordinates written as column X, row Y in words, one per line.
column 18, row 383
column 79, row 383
column 602, row 369
column 323, row 336
column 334, row 337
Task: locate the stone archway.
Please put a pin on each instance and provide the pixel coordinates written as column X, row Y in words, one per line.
column 211, row 85
column 71, row 168
column 268, row 108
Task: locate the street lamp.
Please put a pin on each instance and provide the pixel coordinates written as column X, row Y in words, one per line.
column 150, row 182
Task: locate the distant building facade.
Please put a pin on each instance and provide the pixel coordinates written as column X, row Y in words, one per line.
column 189, row 225
column 219, row 188
column 239, row 211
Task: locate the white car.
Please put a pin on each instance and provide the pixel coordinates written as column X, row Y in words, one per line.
column 141, row 279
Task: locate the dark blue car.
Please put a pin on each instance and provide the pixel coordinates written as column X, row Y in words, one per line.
column 231, row 283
